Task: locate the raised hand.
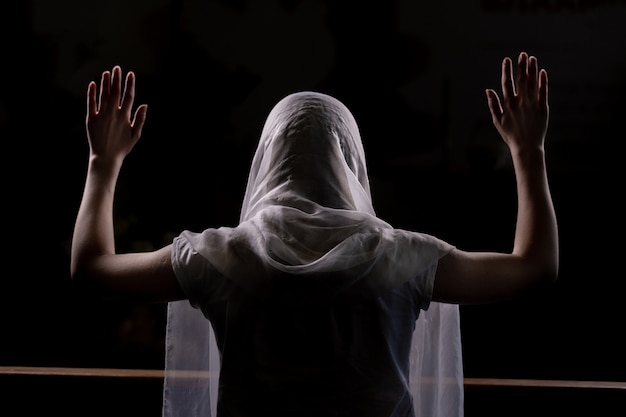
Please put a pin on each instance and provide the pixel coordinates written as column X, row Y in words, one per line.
column 111, row 131
column 521, row 117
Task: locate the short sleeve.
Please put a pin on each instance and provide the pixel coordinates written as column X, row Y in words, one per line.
column 422, row 287
column 198, row 278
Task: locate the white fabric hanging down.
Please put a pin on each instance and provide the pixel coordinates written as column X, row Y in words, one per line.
column 308, row 236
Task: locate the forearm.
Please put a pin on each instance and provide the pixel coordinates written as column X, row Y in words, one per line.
column 93, row 231
column 536, row 236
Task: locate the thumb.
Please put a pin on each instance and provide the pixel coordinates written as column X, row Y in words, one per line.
column 138, row 120
column 493, row 101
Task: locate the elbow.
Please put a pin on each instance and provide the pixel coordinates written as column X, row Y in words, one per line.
column 549, row 273
column 553, row 271
column 74, row 269
column 83, row 279
column 85, row 266
column 539, row 264
column 80, row 278
column 546, row 272
column 76, row 272
column 537, row 271
column 79, row 267
column 550, row 265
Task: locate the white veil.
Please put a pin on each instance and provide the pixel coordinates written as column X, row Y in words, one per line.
column 306, row 230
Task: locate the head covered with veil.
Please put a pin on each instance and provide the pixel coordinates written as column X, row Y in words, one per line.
column 308, row 236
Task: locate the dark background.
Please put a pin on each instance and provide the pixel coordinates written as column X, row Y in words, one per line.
column 414, row 75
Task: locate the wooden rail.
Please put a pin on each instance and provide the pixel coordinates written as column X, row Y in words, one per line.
column 159, row 374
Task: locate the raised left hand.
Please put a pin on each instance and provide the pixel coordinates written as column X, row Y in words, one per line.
column 111, row 131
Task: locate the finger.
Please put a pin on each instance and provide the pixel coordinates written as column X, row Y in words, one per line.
column 92, row 105
column 532, row 77
column 116, row 85
column 129, row 94
column 543, row 89
column 139, row 120
column 105, row 90
column 522, row 73
column 508, row 91
column 493, row 101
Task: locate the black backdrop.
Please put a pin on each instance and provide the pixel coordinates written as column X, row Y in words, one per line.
column 413, row 73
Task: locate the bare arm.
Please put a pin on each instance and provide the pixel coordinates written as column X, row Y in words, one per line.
column 146, row 276
column 521, row 118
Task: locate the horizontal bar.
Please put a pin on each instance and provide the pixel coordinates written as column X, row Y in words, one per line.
column 159, row 373
column 554, row 383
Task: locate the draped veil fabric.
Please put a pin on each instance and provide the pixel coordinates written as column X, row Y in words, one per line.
column 307, row 215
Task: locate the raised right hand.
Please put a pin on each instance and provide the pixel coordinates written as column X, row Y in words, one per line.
column 521, row 117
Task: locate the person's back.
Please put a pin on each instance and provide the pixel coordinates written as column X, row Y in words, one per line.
column 312, row 297
column 339, row 357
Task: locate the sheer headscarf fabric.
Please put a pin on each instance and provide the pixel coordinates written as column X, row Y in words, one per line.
column 307, row 220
